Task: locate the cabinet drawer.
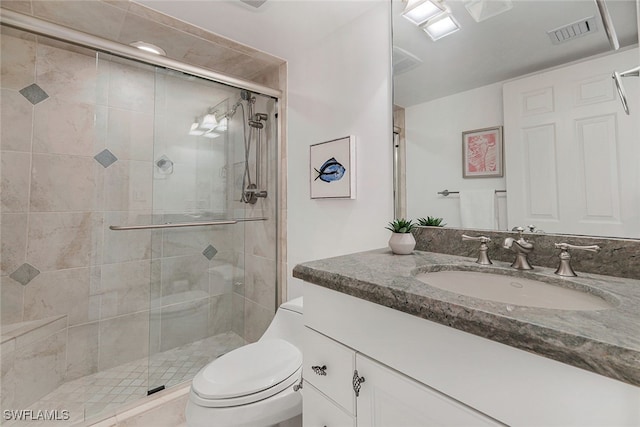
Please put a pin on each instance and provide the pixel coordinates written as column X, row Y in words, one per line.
column 328, row 366
column 319, row 411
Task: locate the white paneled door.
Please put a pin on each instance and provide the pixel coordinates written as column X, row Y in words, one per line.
column 572, row 155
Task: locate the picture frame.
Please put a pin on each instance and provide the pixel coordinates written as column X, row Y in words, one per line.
column 332, row 169
column 483, row 153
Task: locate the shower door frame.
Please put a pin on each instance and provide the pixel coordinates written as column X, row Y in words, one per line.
column 48, row 29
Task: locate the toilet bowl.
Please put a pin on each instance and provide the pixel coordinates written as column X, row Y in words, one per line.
column 253, row 386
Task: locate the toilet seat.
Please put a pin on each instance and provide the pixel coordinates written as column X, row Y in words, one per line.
column 248, row 374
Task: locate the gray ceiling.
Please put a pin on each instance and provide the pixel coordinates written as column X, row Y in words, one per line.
column 503, row 47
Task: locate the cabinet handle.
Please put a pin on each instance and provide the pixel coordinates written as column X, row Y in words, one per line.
column 320, row 370
column 357, row 382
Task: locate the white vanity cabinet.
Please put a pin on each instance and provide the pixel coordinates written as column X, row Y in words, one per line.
column 420, row 373
column 385, row 398
column 390, row 399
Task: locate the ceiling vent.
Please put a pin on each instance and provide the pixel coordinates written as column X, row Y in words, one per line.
column 574, row 30
column 254, row 3
column 403, row 61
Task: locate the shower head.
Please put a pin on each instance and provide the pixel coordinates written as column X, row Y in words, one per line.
column 245, row 95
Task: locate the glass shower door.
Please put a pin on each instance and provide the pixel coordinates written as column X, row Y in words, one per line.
column 197, row 272
column 93, row 144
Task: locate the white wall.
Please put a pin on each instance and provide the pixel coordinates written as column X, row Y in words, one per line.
column 434, row 149
column 338, row 87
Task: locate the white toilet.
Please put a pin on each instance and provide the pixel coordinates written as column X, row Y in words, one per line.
column 253, row 386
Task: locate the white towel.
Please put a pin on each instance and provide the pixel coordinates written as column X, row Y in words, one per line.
column 478, row 209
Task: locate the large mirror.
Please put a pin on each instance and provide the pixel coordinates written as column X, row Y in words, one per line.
column 516, row 115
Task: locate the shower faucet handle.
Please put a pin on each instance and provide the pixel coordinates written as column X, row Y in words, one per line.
column 483, row 257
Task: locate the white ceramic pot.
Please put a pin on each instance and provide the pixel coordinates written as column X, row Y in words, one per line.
column 402, row 243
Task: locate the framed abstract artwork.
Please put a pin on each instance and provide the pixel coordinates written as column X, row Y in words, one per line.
column 332, row 169
column 482, row 153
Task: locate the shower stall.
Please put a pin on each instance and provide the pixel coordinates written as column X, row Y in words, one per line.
column 138, row 214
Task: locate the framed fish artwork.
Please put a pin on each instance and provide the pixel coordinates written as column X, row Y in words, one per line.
column 332, row 166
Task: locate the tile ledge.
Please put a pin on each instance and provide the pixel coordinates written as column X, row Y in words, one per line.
column 16, row 330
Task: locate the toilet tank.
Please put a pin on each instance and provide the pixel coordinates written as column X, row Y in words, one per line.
column 287, row 324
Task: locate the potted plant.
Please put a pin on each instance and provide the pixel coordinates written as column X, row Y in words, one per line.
column 402, row 241
column 430, row 222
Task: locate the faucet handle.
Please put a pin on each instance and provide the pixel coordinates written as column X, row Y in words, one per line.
column 483, row 239
column 483, row 258
column 564, row 269
column 520, row 230
column 567, row 246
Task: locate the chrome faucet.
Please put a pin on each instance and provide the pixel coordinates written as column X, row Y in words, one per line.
column 521, row 248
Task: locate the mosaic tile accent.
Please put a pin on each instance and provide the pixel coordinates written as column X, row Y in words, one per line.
column 209, row 252
column 106, row 158
column 25, row 273
column 34, row 93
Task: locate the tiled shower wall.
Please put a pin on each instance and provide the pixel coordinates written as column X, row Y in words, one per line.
column 260, row 237
column 126, row 21
column 77, row 156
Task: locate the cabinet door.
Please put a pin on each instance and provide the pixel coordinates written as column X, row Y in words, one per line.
column 390, row 399
column 319, row 411
column 337, row 364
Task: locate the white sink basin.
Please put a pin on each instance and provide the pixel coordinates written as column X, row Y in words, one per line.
column 513, row 290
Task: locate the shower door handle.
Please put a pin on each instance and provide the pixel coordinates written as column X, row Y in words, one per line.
column 183, row 224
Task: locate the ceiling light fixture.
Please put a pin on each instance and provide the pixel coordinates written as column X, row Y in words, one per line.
column 222, row 124
column 148, row 47
column 209, row 122
column 420, row 11
column 194, row 130
column 485, row 9
column 440, row 27
column 211, row 134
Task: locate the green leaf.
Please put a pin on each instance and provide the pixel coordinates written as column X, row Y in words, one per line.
column 400, row 226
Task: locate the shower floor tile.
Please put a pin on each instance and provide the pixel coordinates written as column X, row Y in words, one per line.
column 105, row 392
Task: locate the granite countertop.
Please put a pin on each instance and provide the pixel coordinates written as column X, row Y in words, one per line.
column 606, row 341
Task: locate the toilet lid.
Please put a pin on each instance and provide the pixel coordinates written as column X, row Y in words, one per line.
column 248, row 369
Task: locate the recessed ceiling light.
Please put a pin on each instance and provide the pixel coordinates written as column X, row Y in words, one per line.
column 438, row 28
column 209, row 122
column 148, row 47
column 420, row 11
column 254, row 3
column 485, row 9
column 211, row 134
